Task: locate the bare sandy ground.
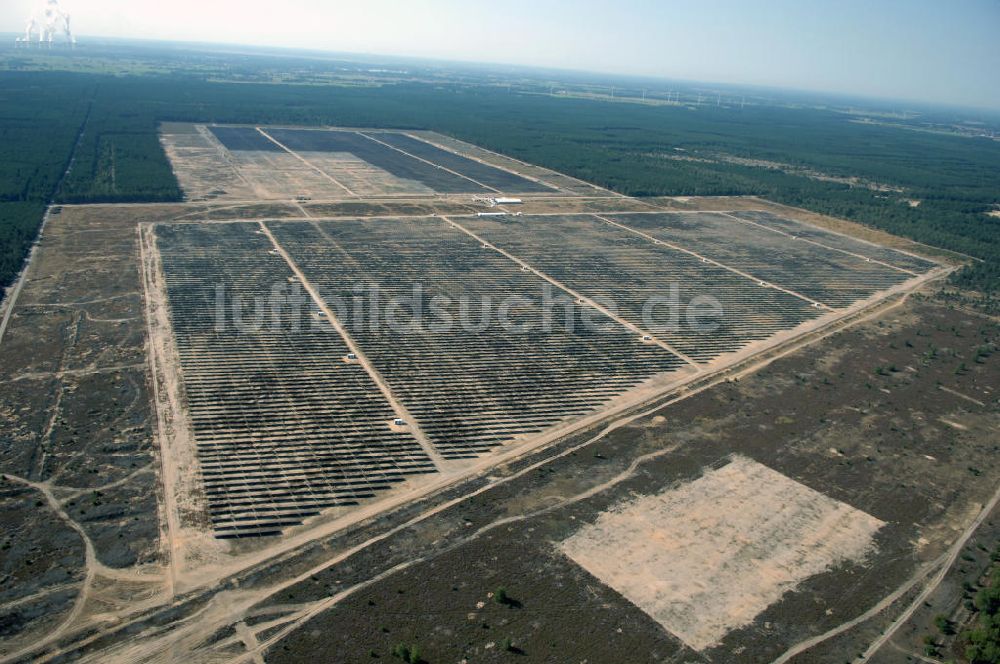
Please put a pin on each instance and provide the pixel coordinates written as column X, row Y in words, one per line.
column 707, row 557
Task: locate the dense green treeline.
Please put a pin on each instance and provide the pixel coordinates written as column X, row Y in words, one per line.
column 18, row 226
column 632, row 148
column 983, row 640
column 39, row 123
column 119, row 158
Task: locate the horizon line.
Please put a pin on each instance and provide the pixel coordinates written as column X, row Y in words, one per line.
column 321, row 53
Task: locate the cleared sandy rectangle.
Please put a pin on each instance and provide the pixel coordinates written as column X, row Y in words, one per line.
column 280, row 175
column 707, row 557
column 201, row 169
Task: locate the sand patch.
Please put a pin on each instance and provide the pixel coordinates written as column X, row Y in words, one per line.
column 707, row 557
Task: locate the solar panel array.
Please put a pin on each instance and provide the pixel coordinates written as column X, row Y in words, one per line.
column 898, row 259
column 833, row 278
column 479, row 329
column 395, row 153
column 657, row 288
column 284, row 427
column 472, row 385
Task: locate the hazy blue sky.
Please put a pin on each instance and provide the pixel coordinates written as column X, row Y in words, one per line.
column 937, row 50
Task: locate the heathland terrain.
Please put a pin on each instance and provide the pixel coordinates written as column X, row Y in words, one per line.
column 214, row 448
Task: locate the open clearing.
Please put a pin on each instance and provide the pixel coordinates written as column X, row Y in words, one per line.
column 707, row 557
column 202, row 395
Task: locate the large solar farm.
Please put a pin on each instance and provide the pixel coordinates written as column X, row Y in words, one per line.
column 362, row 378
column 294, row 419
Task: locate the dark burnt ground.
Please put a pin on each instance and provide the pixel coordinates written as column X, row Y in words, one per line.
column 74, row 396
column 74, row 413
column 41, row 563
column 864, row 416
